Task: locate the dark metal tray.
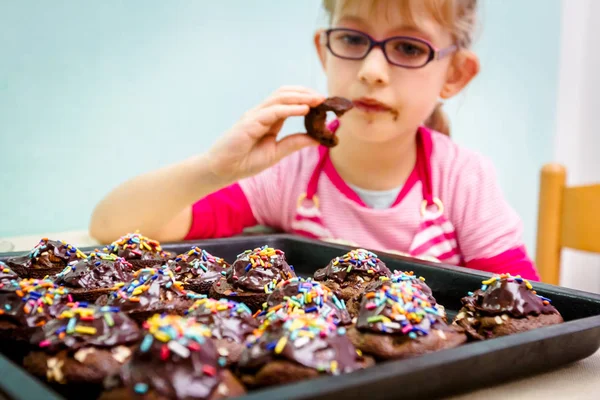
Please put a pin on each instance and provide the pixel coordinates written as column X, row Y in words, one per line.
column 465, row 368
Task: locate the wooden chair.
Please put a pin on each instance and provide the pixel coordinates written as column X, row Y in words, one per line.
column 568, row 217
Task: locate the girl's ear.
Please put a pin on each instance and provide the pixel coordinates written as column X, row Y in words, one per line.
column 463, row 68
column 319, row 41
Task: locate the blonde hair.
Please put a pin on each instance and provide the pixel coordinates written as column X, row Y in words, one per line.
column 459, row 17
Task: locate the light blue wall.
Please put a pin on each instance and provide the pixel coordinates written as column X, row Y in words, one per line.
column 92, row 93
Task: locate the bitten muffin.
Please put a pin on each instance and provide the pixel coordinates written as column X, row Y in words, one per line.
column 397, row 321
column 198, row 269
column 139, row 250
column 150, row 291
column 348, row 276
column 300, row 347
column 299, row 296
column 177, row 359
column 229, row 322
column 94, row 276
column 253, row 276
column 47, row 258
column 505, row 305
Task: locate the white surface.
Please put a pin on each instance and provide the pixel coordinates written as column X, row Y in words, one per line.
column 577, row 122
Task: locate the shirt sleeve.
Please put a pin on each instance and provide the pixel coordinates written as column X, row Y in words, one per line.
column 489, row 231
column 221, row 214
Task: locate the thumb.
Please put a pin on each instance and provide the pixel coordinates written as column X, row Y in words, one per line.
column 293, row 143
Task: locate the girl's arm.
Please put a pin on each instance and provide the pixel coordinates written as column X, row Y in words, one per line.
column 489, row 231
column 159, row 203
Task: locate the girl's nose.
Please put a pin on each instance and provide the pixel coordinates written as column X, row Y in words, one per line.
column 374, row 69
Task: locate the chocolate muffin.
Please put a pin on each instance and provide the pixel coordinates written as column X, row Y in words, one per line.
column 300, row 347
column 177, row 359
column 299, row 296
column 150, row 291
column 505, row 305
column 198, row 269
column 7, row 274
column 397, row 276
column 140, row 251
column 348, row 276
column 94, row 276
column 253, row 276
column 315, row 120
column 229, row 322
column 82, row 346
column 47, row 258
column 397, row 321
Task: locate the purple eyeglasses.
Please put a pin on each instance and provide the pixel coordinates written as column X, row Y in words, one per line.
column 402, row 51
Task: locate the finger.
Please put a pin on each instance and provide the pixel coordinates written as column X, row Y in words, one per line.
column 271, row 115
column 311, row 100
column 293, row 143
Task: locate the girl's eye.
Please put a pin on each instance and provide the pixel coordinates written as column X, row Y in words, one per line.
column 408, row 48
column 353, row 40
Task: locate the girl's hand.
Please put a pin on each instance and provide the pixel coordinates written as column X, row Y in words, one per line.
column 251, row 145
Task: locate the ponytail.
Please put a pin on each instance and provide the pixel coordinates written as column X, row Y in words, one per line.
column 438, row 120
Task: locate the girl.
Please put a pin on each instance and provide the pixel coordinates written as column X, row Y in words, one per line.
column 395, row 182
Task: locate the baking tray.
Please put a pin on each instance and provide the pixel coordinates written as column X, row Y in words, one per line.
column 439, row 374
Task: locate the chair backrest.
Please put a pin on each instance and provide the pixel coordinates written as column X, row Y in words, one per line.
column 568, row 217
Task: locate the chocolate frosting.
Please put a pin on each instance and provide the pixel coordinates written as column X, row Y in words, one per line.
column 99, row 270
column 7, row 274
column 357, row 261
column 31, row 302
column 49, row 254
column 176, row 359
column 305, row 296
column 225, row 318
column 80, row 325
column 398, row 308
column 198, row 265
column 259, row 268
column 506, row 294
column 134, row 246
column 401, row 276
column 149, row 289
column 310, row 340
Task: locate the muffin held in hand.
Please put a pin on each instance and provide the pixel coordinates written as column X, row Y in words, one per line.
column 28, row 304
column 397, row 321
column 47, row 258
column 253, row 276
column 348, row 276
column 83, row 345
column 176, row 359
column 397, row 276
column 94, row 276
column 229, row 322
column 198, row 269
column 505, row 305
column 7, row 274
column 300, row 347
column 140, row 251
column 299, row 296
column 151, row 290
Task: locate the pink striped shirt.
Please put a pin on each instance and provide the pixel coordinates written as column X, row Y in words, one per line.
column 488, row 231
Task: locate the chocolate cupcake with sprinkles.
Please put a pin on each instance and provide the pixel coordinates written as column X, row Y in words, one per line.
column 253, row 276
column 300, row 296
column 47, row 258
column 397, row 321
column 176, row 359
column 139, row 250
column 7, row 274
column 348, row 276
column 198, row 269
column 94, row 276
column 297, row 348
column 150, row 291
column 81, row 347
column 505, row 305
column 229, row 322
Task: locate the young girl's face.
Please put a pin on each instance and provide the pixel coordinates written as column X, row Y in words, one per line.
column 389, row 100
